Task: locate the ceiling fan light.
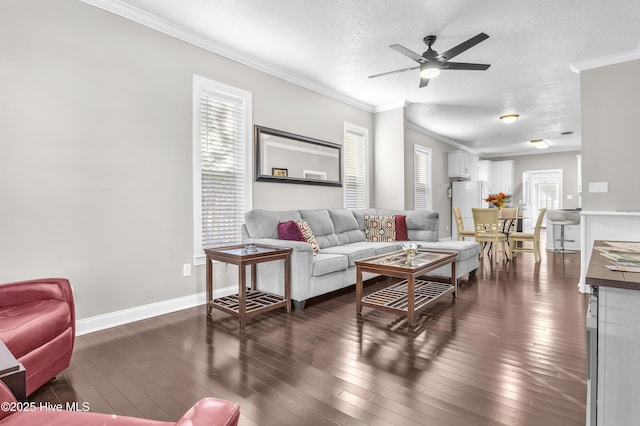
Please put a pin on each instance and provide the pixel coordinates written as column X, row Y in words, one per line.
column 429, row 72
column 509, row 118
column 540, row 143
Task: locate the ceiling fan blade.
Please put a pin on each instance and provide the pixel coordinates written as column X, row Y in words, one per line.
column 408, row 53
column 463, row 46
column 393, row 72
column 423, row 82
column 464, row 66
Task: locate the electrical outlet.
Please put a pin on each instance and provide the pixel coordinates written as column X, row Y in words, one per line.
column 186, row 270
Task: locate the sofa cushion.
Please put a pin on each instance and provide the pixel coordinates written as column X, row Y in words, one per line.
column 465, row 249
column 346, row 226
column 353, row 252
column 359, row 216
column 322, row 226
column 308, row 235
column 422, row 225
column 28, row 326
column 343, row 220
column 290, row 230
column 326, row 263
column 379, row 246
column 264, row 223
column 379, row 228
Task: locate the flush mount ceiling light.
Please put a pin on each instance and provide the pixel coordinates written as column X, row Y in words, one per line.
column 509, row 118
column 540, row 143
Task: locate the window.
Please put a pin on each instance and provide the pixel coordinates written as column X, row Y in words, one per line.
column 422, row 177
column 356, row 188
column 221, row 153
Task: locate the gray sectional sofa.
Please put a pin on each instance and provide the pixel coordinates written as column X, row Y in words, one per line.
column 341, row 236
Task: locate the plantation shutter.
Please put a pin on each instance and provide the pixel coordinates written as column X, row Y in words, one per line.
column 222, row 162
column 355, row 196
column 422, row 178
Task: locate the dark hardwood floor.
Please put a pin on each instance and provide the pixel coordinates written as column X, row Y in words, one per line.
column 510, row 349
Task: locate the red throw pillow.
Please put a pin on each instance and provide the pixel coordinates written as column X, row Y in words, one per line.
column 401, row 228
column 290, row 231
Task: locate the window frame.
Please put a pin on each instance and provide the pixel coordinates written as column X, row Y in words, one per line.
column 200, row 85
column 422, row 150
column 363, row 133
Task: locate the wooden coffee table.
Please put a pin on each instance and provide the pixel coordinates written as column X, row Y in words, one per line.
column 248, row 303
column 411, row 294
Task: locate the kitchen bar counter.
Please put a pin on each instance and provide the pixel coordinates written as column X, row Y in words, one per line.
column 604, row 225
column 612, row 386
column 599, row 275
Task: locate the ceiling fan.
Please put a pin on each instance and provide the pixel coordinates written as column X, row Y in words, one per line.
column 431, row 62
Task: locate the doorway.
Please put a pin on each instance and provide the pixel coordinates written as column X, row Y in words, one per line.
column 541, row 188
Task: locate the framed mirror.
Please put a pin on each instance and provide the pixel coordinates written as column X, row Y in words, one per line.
column 285, row 157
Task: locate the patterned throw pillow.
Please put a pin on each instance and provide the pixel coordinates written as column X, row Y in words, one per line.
column 308, row 235
column 379, row 228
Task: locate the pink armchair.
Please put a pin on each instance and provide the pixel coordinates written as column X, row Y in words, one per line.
column 37, row 324
column 208, row 411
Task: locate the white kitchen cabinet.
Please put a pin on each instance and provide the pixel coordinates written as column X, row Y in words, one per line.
column 484, row 170
column 501, row 177
column 613, row 369
column 618, row 368
column 462, row 165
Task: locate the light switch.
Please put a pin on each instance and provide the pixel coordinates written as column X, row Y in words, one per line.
column 598, row 186
column 569, row 196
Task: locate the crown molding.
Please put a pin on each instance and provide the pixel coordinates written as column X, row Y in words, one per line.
column 389, row 107
column 631, row 55
column 141, row 17
column 413, row 126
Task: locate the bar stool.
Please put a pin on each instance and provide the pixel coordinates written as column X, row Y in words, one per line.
column 562, row 218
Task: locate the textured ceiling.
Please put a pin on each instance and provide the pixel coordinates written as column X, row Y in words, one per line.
column 337, row 44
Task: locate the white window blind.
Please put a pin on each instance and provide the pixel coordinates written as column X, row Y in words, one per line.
column 422, row 178
column 221, row 155
column 355, row 169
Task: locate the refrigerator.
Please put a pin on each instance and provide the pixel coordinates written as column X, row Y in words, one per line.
column 467, row 195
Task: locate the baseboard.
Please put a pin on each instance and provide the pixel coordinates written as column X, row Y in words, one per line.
column 126, row 316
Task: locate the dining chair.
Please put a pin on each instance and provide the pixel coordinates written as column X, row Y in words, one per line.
column 462, row 233
column 487, row 230
column 534, row 237
column 509, row 218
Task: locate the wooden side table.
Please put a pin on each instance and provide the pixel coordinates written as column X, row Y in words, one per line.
column 12, row 373
column 248, row 303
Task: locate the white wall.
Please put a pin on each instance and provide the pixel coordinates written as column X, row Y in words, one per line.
column 96, row 151
column 388, row 159
column 610, row 100
column 439, row 175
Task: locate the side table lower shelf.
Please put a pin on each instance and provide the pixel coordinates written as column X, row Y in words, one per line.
column 257, row 302
column 394, row 297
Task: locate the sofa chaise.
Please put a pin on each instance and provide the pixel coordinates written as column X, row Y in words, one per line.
column 341, row 236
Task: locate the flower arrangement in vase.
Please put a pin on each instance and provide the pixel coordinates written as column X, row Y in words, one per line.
column 498, row 200
column 410, row 251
